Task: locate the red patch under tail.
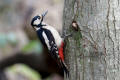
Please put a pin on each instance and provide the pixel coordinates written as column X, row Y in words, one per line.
column 61, row 51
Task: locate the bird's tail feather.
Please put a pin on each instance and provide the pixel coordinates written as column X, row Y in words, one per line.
column 65, row 68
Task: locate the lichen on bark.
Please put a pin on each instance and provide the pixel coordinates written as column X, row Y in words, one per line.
column 92, row 53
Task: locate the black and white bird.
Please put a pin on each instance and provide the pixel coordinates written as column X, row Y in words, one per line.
column 50, row 38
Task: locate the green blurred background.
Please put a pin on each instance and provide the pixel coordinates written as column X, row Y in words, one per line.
column 16, row 33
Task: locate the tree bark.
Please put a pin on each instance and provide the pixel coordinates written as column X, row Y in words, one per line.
column 92, row 53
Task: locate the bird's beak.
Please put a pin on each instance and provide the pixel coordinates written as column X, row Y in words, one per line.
column 45, row 13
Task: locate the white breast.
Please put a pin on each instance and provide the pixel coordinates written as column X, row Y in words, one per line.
column 55, row 33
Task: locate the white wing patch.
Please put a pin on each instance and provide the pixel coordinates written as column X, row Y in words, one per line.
column 56, row 35
column 46, row 40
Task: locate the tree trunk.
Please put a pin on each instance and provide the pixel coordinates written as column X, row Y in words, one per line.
column 92, row 52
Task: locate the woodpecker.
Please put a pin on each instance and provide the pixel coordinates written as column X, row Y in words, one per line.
column 50, row 38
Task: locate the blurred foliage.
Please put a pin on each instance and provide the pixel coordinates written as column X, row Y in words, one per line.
column 57, row 1
column 24, row 71
column 33, row 46
column 3, row 40
column 4, row 5
column 9, row 38
column 13, row 19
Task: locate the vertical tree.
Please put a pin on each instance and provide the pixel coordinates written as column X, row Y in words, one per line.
column 92, row 52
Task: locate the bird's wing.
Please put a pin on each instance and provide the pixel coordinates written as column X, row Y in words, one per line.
column 51, row 45
column 54, row 51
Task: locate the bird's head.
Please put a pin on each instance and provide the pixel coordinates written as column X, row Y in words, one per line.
column 36, row 21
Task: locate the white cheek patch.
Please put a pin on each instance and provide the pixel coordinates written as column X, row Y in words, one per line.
column 36, row 22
